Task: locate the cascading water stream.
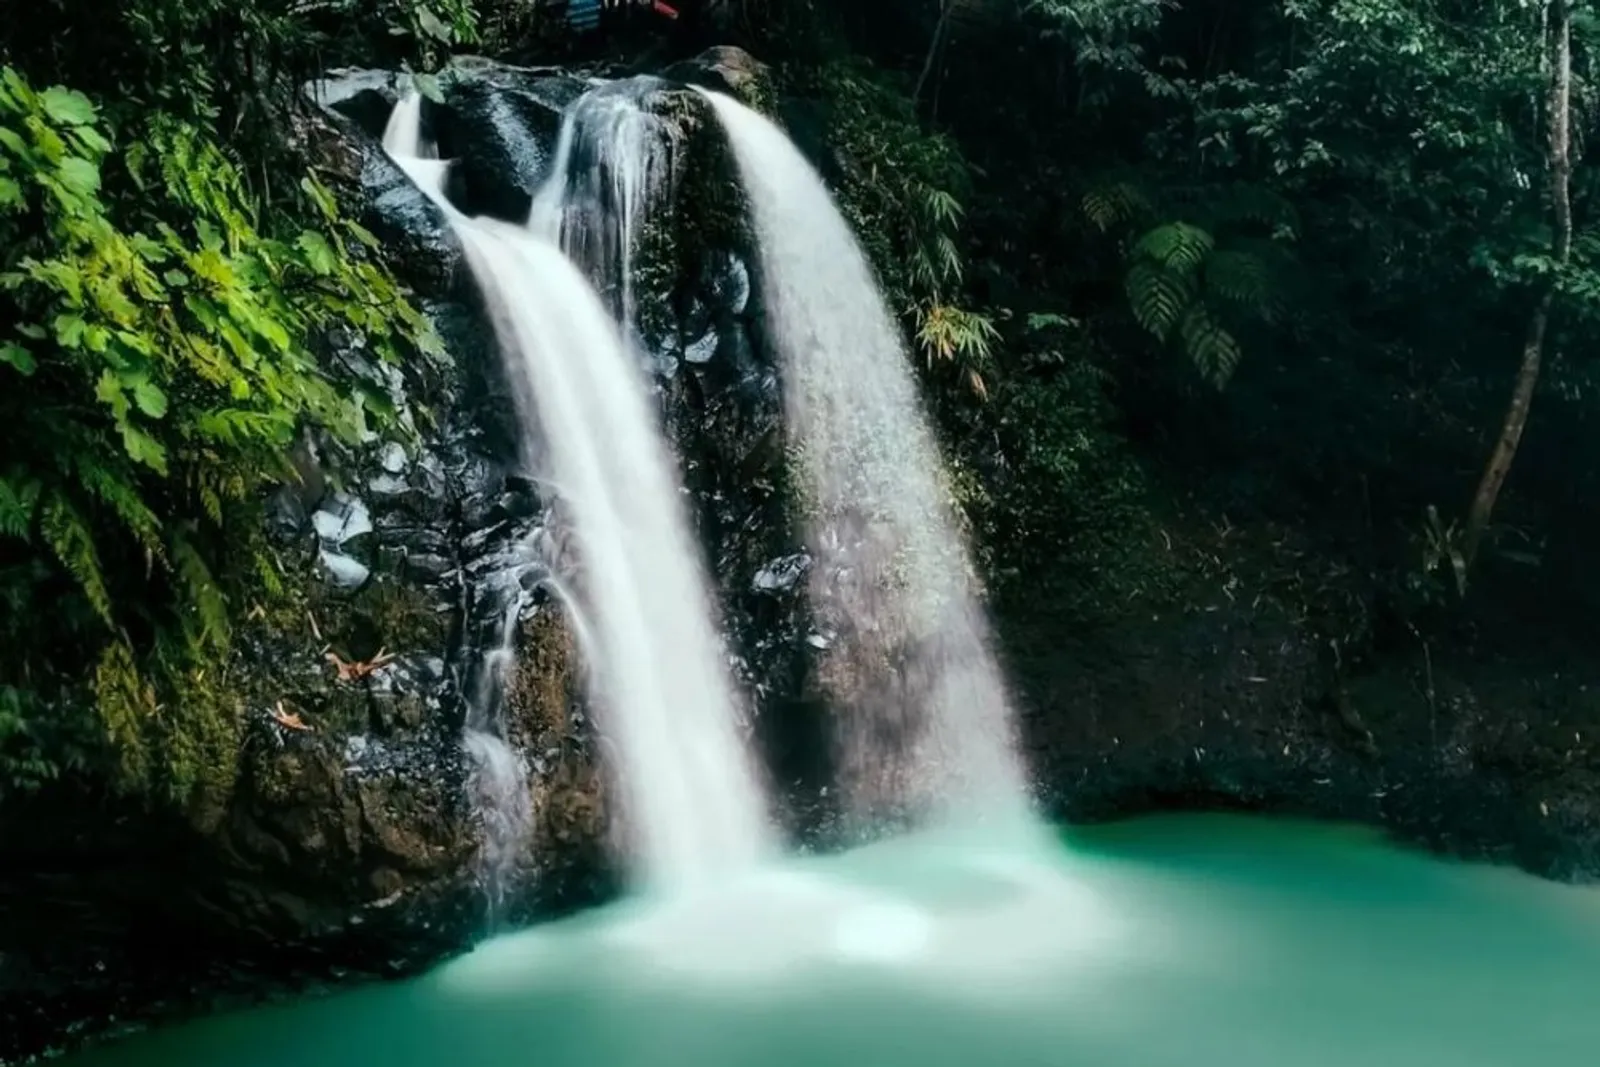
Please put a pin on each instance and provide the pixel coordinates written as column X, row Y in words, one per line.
column 925, row 726
column 692, row 805
column 497, row 781
column 613, row 161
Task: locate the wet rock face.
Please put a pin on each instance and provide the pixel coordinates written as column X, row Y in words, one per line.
column 464, row 523
column 419, row 555
column 501, row 124
column 726, row 69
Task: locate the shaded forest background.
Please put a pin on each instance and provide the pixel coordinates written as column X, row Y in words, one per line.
column 1201, row 291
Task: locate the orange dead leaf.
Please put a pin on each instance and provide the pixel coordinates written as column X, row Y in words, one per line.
column 290, row 719
column 354, row 671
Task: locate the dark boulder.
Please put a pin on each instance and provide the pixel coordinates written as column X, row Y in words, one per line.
column 501, row 124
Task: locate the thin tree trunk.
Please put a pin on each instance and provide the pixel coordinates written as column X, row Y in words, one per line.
column 945, row 8
column 1559, row 163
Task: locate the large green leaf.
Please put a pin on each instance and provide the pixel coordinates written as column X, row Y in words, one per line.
column 149, row 397
column 17, row 357
column 79, row 175
column 68, row 107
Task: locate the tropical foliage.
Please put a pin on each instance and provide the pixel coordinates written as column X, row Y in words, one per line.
column 901, row 189
column 1303, row 241
column 1164, row 262
column 164, row 327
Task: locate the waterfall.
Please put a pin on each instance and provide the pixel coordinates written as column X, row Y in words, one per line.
column 690, row 800
column 613, row 161
column 402, row 137
column 497, row 780
column 924, row 726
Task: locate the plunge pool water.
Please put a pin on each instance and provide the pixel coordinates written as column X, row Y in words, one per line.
column 1192, row 941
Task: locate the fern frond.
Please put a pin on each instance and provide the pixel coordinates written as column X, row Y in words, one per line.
column 125, row 702
column 1177, row 246
column 19, row 501
column 122, row 497
column 69, row 537
column 267, row 572
column 205, row 608
column 237, row 427
column 1240, row 278
column 1113, row 205
column 1158, row 297
column 212, row 503
column 1214, row 350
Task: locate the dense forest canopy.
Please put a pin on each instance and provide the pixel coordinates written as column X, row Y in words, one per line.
column 1167, row 265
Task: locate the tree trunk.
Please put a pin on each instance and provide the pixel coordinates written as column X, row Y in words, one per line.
column 1558, row 159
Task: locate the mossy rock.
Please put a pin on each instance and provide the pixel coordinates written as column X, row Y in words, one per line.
column 686, row 242
column 568, row 791
column 729, row 69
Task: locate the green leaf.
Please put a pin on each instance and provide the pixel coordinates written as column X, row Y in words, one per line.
column 1176, row 245
column 320, row 196
column 10, row 193
column 1158, row 297
column 17, row 356
column 67, row 106
column 148, row 248
column 210, row 236
column 363, row 235
column 319, row 254
column 428, row 85
column 69, row 330
column 108, row 390
column 91, row 140
column 1044, row 320
column 151, row 400
column 18, row 502
column 142, row 448
column 1215, row 352
column 376, row 401
column 70, row 538
column 79, row 175
column 433, row 26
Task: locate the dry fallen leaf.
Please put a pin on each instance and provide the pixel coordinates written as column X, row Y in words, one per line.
column 349, row 671
column 290, row 719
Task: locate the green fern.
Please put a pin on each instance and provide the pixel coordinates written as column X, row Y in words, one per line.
column 1115, row 205
column 241, row 428
column 206, row 609
column 19, row 502
column 1159, row 296
column 126, row 703
column 1219, row 255
column 1240, row 277
column 268, row 572
column 68, row 534
column 1178, row 276
column 1178, row 246
column 158, row 350
column 1215, row 352
column 117, row 491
